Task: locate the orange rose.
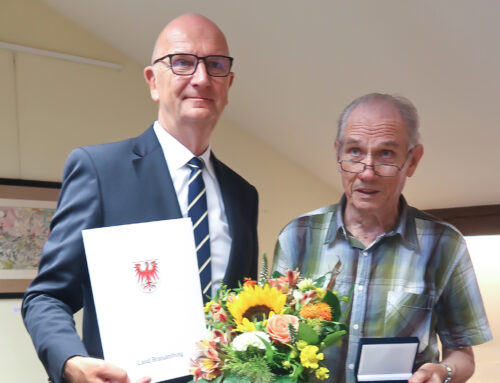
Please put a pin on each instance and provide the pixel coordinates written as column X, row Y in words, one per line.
column 277, row 327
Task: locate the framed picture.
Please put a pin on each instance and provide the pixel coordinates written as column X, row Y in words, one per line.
column 26, row 209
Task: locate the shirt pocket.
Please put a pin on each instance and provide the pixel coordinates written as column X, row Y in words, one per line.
column 408, row 314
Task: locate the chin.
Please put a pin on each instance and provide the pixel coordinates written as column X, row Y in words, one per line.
column 366, row 205
column 200, row 116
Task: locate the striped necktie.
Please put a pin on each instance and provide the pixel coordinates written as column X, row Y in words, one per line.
column 197, row 210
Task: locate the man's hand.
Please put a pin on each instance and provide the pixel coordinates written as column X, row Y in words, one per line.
column 460, row 360
column 429, row 373
column 79, row 369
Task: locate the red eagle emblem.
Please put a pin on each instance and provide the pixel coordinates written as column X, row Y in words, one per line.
column 147, row 275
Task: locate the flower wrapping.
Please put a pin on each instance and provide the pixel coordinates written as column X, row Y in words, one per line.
column 269, row 331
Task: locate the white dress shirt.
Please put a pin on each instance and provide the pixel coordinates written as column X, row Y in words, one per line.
column 177, row 157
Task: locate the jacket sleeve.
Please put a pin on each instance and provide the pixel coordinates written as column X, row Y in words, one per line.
column 56, row 292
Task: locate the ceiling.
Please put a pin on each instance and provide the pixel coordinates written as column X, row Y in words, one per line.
column 298, row 63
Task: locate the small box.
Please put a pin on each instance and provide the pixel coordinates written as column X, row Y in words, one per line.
column 388, row 360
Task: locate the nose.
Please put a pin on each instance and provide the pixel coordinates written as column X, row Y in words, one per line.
column 200, row 75
column 369, row 171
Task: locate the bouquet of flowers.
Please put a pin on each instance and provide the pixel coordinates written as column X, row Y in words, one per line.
column 269, row 331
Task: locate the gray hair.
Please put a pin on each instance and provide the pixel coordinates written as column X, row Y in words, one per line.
column 402, row 104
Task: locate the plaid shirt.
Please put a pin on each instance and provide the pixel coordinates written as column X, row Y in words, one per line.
column 416, row 280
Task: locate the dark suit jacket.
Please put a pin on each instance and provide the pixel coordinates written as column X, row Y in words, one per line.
column 114, row 184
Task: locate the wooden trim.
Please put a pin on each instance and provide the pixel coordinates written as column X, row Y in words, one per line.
column 58, row 55
column 30, row 183
column 472, row 220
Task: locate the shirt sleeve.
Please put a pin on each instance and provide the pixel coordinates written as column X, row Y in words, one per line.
column 461, row 319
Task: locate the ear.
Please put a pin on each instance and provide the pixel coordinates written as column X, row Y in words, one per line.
column 149, row 75
column 416, row 154
column 231, row 79
column 336, row 145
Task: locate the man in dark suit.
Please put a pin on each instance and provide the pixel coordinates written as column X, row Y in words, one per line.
column 138, row 180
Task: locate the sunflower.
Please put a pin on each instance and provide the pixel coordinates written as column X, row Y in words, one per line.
column 256, row 302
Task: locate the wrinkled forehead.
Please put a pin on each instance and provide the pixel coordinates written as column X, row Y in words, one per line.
column 375, row 121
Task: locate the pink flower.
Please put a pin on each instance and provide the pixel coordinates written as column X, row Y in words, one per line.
column 218, row 312
column 220, row 337
column 208, row 349
column 277, row 327
column 205, row 368
column 207, row 363
column 308, row 296
column 293, row 277
column 286, row 282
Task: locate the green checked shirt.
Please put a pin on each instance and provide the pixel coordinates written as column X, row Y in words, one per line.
column 416, row 280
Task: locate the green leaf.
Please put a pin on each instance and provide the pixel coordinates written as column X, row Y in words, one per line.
column 269, row 349
column 308, row 334
column 333, row 301
column 297, row 372
column 264, row 272
column 236, row 379
column 321, row 280
column 334, row 338
column 216, row 380
column 285, row 379
column 347, row 310
column 276, row 274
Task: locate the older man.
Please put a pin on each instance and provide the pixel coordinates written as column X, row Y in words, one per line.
column 408, row 273
column 147, row 178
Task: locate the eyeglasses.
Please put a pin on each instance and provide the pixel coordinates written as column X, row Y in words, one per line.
column 183, row 64
column 382, row 170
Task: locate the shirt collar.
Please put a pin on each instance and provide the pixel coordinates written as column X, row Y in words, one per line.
column 405, row 225
column 176, row 154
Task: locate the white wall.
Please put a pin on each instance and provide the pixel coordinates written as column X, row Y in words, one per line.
column 485, row 255
column 49, row 106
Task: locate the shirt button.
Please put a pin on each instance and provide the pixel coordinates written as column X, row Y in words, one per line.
column 360, row 288
column 351, row 366
column 365, row 253
column 355, row 327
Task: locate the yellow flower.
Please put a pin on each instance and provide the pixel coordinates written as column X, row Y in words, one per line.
column 301, row 344
column 309, row 357
column 256, row 302
column 245, row 326
column 322, row 373
column 306, row 284
column 321, row 293
column 317, row 310
column 207, row 306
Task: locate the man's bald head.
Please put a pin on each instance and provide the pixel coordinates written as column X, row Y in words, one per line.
column 189, row 105
column 188, row 27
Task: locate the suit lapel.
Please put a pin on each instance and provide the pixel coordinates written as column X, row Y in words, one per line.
column 154, row 177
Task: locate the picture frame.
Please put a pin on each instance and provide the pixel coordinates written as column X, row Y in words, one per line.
column 26, row 208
